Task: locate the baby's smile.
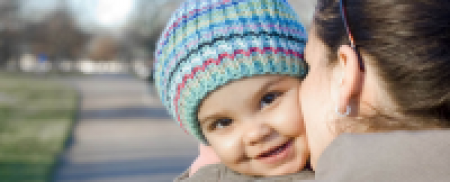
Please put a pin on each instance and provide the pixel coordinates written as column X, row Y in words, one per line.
column 277, row 154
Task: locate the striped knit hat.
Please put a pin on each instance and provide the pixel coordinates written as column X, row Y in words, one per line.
column 208, row 43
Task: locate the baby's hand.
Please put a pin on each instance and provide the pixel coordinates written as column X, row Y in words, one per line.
column 206, row 156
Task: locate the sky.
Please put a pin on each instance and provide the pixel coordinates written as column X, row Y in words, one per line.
column 104, row 13
column 108, row 14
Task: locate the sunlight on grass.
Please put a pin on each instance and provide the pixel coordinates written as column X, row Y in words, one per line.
column 36, row 116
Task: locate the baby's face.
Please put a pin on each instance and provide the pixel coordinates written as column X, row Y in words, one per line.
column 255, row 125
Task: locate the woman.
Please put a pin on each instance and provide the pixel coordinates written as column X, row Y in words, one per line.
column 377, row 67
column 376, row 100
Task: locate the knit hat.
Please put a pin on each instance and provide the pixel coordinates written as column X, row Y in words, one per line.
column 208, row 43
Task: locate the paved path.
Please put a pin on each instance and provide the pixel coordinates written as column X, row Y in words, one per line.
column 123, row 135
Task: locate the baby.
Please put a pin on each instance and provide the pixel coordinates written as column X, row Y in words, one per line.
column 229, row 72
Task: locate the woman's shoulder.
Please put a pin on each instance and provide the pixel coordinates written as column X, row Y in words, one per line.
column 391, row 156
column 210, row 172
column 219, row 172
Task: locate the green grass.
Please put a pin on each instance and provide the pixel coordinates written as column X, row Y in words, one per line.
column 36, row 116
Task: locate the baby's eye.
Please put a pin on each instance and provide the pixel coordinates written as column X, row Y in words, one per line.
column 220, row 123
column 268, row 98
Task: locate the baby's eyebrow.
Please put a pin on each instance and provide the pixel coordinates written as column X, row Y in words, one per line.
column 204, row 120
column 273, row 82
column 214, row 115
column 267, row 85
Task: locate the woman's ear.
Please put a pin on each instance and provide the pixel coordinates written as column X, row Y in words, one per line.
column 351, row 82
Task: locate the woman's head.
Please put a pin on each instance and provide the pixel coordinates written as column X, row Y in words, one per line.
column 405, row 49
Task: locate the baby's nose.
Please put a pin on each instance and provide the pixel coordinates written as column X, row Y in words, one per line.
column 257, row 133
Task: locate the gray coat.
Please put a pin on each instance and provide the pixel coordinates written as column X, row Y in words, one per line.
column 221, row 173
column 400, row 156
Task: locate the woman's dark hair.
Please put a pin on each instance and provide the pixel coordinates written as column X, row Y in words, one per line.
column 408, row 42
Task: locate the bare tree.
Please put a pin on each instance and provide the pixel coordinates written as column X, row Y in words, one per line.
column 103, row 48
column 56, row 37
column 149, row 21
column 9, row 26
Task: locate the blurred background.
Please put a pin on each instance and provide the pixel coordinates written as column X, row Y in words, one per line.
column 86, row 36
column 76, row 99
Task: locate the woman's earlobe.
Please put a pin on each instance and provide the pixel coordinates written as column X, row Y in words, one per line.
column 348, row 109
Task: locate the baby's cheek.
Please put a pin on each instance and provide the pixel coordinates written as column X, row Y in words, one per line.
column 296, row 126
column 291, row 120
column 228, row 149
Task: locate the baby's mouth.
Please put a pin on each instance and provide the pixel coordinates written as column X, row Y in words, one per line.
column 276, row 150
